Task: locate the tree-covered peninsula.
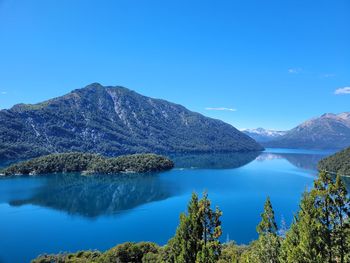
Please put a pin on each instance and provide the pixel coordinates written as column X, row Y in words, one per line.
column 337, row 163
column 89, row 163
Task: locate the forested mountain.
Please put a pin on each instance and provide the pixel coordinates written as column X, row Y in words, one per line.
column 112, row 121
column 330, row 131
column 337, row 163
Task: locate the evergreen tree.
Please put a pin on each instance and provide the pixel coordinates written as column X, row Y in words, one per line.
column 195, row 221
column 324, row 204
column 268, row 222
column 289, row 246
column 341, row 214
column 250, row 255
column 187, row 240
column 211, row 224
column 268, row 245
column 302, row 243
column 197, row 236
column 319, row 232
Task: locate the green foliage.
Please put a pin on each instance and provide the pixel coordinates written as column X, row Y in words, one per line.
column 124, row 253
column 90, row 163
column 250, row 255
column 267, row 247
column 289, row 248
column 197, row 237
column 340, row 216
column 187, row 240
column 232, row 253
column 79, row 257
column 130, row 253
column 320, row 231
column 323, row 203
column 268, row 223
column 338, row 163
column 302, row 243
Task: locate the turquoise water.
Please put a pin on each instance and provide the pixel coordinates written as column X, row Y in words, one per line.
column 70, row 212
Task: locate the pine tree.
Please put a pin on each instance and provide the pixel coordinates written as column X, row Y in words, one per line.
column 319, row 232
column 268, row 222
column 268, row 245
column 324, row 204
column 303, row 240
column 289, row 247
column 186, row 242
column 197, row 236
column 341, row 214
column 210, row 219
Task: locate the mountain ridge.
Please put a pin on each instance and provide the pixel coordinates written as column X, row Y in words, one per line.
column 262, row 135
column 113, row 121
column 329, row 131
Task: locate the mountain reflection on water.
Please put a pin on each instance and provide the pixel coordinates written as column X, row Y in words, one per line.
column 303, row 161
column 72, row 212
column 213, row 161
column 96, row 195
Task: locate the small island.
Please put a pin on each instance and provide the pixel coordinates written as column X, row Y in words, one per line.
column 88, row 163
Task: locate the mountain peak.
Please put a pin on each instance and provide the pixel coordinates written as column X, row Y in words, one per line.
column 113, row 121
column 263, row 135
column 99, row 87
column 94, row 85
column 329, row 131
column 328, row 115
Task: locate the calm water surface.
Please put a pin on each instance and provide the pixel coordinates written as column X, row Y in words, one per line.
column 70, row 212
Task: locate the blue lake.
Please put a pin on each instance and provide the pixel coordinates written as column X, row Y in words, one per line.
column 70, row 212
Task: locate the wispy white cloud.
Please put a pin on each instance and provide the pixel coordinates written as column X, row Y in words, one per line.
column 3, row 92
column 328, row 75
column 342, row 91
column 294, row 70
column 221, row 109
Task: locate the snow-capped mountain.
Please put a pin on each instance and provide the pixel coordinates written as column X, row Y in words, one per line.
column 329, row 131
column 263, row 135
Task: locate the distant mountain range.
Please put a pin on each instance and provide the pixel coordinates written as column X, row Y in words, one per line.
column 113, row 121
column 263, row 135
column 329, row 131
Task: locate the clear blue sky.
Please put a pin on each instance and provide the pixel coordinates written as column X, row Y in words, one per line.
column 277, row 63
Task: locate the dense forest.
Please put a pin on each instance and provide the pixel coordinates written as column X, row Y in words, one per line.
column 337, row 163
column 320, row 233
column 89, row 163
